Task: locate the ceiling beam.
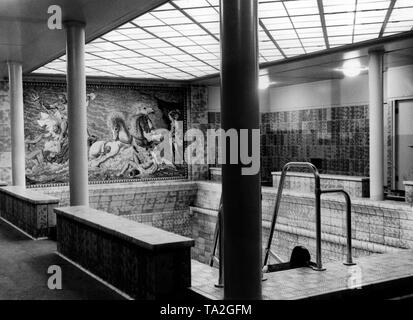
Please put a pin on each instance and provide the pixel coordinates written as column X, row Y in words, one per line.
column 391, row 42
column 295, row 30
column 269, row 35
column 386, row 19
column 323, row 22
column 354, row 21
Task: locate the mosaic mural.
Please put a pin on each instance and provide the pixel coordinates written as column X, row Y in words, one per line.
column 125, row 124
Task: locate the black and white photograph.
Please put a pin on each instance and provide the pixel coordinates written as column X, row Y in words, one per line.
column 197, row 156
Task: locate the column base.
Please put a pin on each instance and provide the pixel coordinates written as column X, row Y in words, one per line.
column 377, row 197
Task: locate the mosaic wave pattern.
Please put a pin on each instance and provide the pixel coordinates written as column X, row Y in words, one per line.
column 180, row 39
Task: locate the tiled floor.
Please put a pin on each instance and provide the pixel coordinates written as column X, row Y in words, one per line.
column 24, row 263
column 23, row 271
column 305, row 282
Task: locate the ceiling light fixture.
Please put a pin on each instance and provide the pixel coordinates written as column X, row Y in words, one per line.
column 264, row 82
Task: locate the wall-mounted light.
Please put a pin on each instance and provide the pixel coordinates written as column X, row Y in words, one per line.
column 352, row 68
column 264, row 82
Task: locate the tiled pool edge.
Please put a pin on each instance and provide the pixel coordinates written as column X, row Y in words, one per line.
column 338, row 281
column 377, row 226
column 167, row 205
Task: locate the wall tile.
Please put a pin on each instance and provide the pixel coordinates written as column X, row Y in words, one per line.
column 335, row 139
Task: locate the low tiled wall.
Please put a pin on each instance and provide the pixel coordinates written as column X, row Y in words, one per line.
column 30, row 211
column 140, row 260
column 160, row 204
column 377, row 226
column 408, row 185
column 300, row 181
column 3, row 184
column 215, row 174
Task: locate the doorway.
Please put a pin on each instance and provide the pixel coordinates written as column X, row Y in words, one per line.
column 403, row 142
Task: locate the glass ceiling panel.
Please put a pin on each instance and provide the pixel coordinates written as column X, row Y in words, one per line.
column 179, row 40
column 372, row 5
column 333, row 6
column 271, row 9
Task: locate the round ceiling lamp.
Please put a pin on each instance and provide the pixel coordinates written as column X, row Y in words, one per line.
column 352, row 68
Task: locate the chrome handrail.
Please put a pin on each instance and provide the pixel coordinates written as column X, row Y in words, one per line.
column 317, row 191
column 218, row 243
column 349, row 258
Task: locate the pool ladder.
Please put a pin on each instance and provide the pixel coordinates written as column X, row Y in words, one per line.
column 318, row 192
column 218, row 242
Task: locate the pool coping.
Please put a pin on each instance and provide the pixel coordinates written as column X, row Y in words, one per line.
column 305, row 283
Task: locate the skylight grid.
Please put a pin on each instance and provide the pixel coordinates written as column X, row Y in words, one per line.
column 339, row 6
column 271, row 9
column 179, row 40
column 401, row 18
column 370, row 16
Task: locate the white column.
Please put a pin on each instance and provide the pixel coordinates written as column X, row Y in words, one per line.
column 376, row 125
column 17, row 124
column 77, row 113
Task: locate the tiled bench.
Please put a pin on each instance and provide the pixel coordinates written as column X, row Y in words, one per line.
column 304, row 182
column 408, row 185
column 30, row 211
column 142, row 261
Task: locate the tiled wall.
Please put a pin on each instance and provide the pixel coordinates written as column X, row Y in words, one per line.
column 377, row 226
column 388, row 142
column 198, row 119
column 5, row 139
column 214, row 122
column 409, row 192
column 337, row 136
column 159, row 204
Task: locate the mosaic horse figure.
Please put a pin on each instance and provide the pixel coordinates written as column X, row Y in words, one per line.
column 120, row 132
column 142, row 162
